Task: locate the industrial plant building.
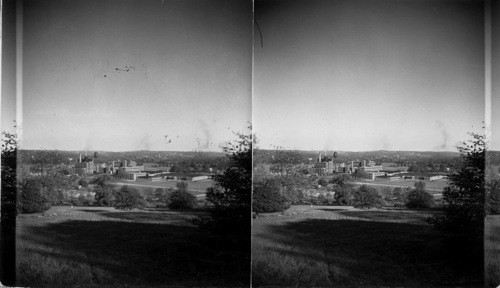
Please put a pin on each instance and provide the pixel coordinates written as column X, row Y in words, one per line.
column 368, row 169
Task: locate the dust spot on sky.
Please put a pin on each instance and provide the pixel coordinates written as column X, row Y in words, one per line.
column 444, row 134
column 204, row 141
column 145, row 143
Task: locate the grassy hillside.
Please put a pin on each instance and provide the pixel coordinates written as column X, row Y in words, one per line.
column 95, row 246
column 492, row 251
column 325, row 246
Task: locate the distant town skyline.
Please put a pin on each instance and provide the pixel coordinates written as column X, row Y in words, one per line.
column 135, row 74
column 363, row 75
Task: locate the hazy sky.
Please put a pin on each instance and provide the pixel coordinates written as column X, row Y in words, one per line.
column 136, row 74
column 368, row 74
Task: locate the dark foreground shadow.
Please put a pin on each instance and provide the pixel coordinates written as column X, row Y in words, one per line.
column 366, row 253
column 139, row 253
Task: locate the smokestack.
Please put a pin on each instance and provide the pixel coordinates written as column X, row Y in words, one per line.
column 319, row 157
column 80, row 158
column 364, row 163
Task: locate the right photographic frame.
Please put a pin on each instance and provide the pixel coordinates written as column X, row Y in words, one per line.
column 377, row 160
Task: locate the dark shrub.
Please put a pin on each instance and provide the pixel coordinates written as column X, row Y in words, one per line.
column 104, row 196
column 400, row 194
column 74, row 178
column 420, row 185
column 290, row 186
column 82, row 201
column 344, row 197
column 32, row 198
column 267, row 197
column 181, row 199
column 128, row 198
column 418, row 198
column 323, row 182
column 55, row 197
column 367, row 197
column 82, row 182
column 326, row 200
column 162, row 196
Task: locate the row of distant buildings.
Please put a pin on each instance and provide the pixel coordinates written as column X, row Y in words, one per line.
column 366, row 169
column 128, row 169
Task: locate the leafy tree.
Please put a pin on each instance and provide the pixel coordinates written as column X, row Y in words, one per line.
column 344, row 196
column 100, row 180
column 464, row 196
column 290, row 186
column 181, row 199
column 230, row 215
column 401, row 194
column 84, row 183
column 43, row 161
column 340, row 179
column 104, row 196
column 83, row 201
column 419, row 197
column 464, row 205
column 367, row 197
column 323, row 182
column 387, row 193
column 162, row 195
column 8, row 208
column 420, row 185
column 268, row 197
column 232, row 200
column 32, row 198
column 128, row 198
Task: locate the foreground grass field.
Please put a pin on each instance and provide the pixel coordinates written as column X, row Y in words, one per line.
column 96, row 246
column 492, row 251
column 341, row 246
